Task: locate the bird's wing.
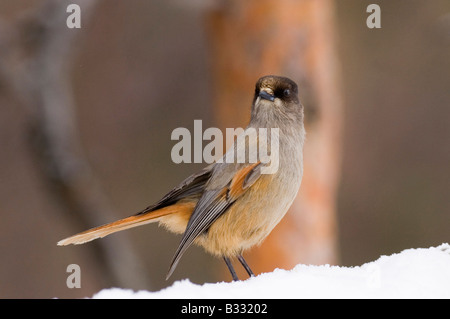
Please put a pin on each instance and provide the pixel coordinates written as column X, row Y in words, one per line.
column 214, row 203
column 191, row 186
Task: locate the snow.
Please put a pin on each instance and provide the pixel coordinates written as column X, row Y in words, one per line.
column 412, row 273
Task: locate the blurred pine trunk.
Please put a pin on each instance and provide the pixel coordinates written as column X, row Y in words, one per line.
column 249, row 39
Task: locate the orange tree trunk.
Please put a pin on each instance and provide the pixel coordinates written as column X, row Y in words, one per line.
column 293, row 38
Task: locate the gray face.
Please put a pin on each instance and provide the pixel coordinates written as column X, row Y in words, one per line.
column 276, row 101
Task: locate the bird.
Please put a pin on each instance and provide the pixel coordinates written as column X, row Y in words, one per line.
column 231, row 206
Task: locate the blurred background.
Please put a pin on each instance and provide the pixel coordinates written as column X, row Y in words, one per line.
column 86, row 117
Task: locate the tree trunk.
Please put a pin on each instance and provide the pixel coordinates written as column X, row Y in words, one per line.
column 296, row 39
column 36, row 56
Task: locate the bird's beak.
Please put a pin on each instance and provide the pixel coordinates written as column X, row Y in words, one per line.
column 266, row 96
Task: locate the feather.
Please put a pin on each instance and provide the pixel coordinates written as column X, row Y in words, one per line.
column 181, row 199
column 211, row 206
column 126, row 223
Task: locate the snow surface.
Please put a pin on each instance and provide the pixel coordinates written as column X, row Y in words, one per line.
column 413, row 273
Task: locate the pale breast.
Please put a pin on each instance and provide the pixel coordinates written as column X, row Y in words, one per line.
column 254, row 215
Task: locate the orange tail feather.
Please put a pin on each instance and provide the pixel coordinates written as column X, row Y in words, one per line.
column 125, row 223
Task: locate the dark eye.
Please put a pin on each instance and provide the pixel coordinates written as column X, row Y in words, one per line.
column 287, row 93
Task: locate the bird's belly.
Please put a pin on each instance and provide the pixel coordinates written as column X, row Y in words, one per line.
column 247, row 222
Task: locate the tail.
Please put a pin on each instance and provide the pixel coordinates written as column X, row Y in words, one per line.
column 122, row 224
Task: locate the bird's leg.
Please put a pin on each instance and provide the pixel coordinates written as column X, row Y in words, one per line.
column 231, row 269
column 246, row 266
